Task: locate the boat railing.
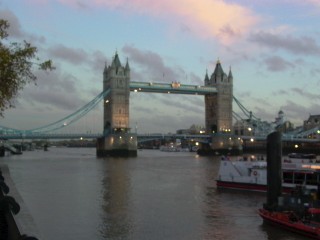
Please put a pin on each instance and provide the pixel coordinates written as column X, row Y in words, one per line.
column 259, row 165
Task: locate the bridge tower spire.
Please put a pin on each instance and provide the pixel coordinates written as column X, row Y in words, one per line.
column 218, row 107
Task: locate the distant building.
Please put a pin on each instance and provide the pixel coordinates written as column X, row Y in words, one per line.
column 283, row 125
column 250, row 127
column 243, row 128
column 194, row 129
column 312, row 122
column 183, row 131
column 280, row 119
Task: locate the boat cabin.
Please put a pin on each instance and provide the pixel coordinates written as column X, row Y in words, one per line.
column 300, row 177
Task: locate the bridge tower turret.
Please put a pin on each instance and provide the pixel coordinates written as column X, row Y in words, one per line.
column 218, row 107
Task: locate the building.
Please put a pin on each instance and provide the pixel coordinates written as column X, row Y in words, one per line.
column 194, row 129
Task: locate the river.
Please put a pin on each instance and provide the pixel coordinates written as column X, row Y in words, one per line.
column 73, row 195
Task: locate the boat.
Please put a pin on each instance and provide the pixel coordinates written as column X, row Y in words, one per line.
column 250, row 173
column 173, row 148
column 297, row 212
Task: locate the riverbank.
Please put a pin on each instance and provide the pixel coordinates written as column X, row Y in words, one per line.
column 16, row 220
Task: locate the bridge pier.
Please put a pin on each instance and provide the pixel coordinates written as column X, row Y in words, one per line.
column 222, row 144
column 117, row 145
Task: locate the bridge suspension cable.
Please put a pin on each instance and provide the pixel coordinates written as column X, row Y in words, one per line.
column 72, row 117
column 236, row 116
column 66, row 120
column 248, row 113
column 261, row 127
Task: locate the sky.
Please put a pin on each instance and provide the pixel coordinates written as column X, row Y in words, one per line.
column 271, row 46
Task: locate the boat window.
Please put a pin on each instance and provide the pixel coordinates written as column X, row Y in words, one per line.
column 312, row 179
column 299, row 178
column 287, row 177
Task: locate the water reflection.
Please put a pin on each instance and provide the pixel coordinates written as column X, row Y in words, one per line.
column 233, row 214
column 158, row 195
column 272, row 233
column 115, row 206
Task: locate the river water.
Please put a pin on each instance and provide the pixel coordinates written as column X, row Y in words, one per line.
column 73, row 195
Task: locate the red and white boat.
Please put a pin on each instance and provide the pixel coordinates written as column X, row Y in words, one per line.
column 251, row 173
column 308, row 225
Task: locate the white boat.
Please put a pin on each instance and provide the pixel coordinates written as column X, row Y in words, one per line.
column 173, row 148
column 251, row 174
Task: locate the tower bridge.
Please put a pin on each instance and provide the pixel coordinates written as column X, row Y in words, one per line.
column 217, row 92
column 117, row 85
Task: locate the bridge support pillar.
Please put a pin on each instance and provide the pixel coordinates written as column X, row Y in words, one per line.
column 117, row 145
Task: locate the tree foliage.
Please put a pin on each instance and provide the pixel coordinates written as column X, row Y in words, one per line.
column 16, row 64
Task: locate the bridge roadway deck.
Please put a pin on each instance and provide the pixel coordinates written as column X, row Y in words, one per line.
column 97, row 135
column 174, row 87
column 144, row 137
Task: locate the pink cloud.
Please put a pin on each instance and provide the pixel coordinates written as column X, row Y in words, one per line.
column 314, row 2
column 205, row 18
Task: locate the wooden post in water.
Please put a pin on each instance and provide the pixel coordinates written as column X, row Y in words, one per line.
column 274, row 171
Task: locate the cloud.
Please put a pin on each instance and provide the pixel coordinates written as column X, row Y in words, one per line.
column 195, row 79
column 151, row 65
column 315, row 72
column 54, row 90
column 72, row 55
column 301, row 45
column 303, row 93
column 277, row 64
column 148, row 66
column 96, row 60
column 316, row 3
column 299, row 112
column 205, row 18
column 297, row 107
column 15, row 31
column 15, row 27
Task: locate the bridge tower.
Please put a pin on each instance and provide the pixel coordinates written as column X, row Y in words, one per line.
column 218, row 114
column 117, row 140
column 218, row 107
column 116, row 104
